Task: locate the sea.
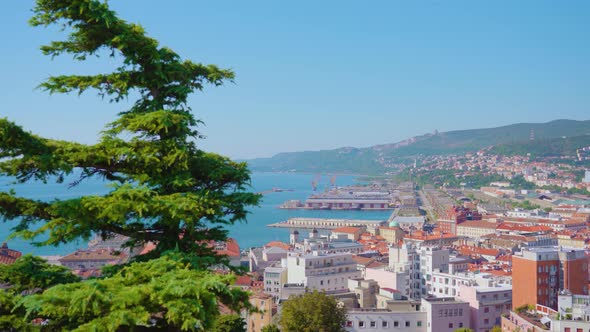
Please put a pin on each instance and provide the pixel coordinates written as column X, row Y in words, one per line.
column 251, row 233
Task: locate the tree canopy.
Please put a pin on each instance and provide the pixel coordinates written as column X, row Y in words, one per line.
column 29, row 273
column 162, row 293
column 163, row 189
column 229, row 323
column 312, row 312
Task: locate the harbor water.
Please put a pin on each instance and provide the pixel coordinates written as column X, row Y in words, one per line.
column 249, row 234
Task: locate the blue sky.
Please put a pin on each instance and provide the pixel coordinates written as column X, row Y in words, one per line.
column 324, row 74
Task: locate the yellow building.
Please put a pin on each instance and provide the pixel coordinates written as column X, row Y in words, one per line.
column 264, row 303
column 393, row 233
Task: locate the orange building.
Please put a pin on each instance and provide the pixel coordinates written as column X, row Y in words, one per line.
column 538, row 274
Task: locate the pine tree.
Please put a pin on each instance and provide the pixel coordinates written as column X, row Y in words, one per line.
column 164, row 189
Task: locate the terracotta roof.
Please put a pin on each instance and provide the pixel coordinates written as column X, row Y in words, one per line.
column 278, row 244
column 469, row 250
column 507, row 226
column 149, row 246
column 243, row 281
column 94, row 255
column 347, row 230
column 8, row 256
column 232, row 249
column 362, row 260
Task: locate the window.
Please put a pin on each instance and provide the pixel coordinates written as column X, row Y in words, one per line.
column 348, row 323
column 395, row 323
column 373, row 324
column 407, row 323
column 419, row 323
column 384, row 324
column 361, row 323
column 460, row 324
column 486, row 321
column 486, row 309
column 450, row 325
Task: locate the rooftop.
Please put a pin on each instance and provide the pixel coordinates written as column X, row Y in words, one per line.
column 347, row 230
column 8, row 256
column 93, row 255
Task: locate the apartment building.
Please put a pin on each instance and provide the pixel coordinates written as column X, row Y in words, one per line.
column 322, row 271
column 445, row 314
column 538, row 274
column 487, row 304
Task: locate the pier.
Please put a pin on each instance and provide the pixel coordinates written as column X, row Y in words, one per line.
column 324, row 223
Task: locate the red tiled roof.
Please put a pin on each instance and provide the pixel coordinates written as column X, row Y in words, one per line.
column 8, row 256
column 469, row 250
column 362, row 260
column 278, row 244
column 243, row 281
column 347, row 230
column 232, row 249
column 523, row 228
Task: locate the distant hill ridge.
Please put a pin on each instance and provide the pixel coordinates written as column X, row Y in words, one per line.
column 379, row 158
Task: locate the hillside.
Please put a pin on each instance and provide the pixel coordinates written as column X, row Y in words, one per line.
column 380, row 158
column 552, row 147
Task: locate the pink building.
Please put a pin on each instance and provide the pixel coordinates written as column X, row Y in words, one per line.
column 386, row 278
column 445, row 314
column 487, row 304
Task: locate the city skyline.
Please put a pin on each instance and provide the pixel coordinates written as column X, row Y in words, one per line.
column 311, row 77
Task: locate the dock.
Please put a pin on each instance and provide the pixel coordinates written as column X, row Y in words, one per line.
column 325, row 223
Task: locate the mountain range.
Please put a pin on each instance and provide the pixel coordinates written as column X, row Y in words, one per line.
column 565, row 136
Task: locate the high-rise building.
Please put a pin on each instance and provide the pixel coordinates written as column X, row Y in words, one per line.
column 419, row 262
column 538, row 274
